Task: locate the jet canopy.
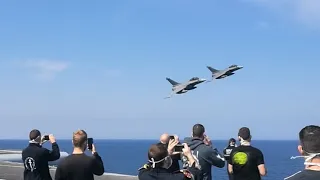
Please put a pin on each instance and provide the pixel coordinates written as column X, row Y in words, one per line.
column 233, row 66
column 194, row 78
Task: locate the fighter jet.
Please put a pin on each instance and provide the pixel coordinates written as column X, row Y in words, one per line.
column 180, row 88
column 220, row 74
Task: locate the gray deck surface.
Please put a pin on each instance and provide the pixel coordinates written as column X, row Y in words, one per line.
column 14, row 171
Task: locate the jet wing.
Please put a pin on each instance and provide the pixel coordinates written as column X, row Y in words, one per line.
column 178, row 88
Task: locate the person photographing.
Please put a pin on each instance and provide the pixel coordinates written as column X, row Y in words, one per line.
column 227, row 151
column 36, row 158
column 160, row 161
column 79, row 166
column 175, row 155
column 204, row 151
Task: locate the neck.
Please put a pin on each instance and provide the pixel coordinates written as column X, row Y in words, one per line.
column 314, row 167
column 245, row 143
column 77, row 150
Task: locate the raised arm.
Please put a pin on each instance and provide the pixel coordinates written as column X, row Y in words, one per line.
column 97, row 163
column 54, row 154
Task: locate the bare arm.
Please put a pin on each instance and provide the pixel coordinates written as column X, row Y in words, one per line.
column 262, row 170
column 260, row 163
column 230, row 169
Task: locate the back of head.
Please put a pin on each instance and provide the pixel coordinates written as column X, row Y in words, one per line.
column 244, row 133
column 79, row 139
column 198, row 130
column 35, row 136
column 157, row 155
column 164, row 138
column 310, row 139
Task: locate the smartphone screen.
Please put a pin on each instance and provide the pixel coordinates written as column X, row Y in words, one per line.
column 46, row 137
column 90, row 142
column 171, row 137
column 178, row 148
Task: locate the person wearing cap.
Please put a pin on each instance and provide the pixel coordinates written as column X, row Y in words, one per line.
column 246, row 161
column 203, row 149
column 36, row 158
column 309, row 148
column 160, row 161
column 227, row 151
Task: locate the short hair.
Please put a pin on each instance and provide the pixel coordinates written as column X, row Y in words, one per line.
column 157, row 152
column 34, row 134
column 198, row 130
column 244, row 133
column 79, row 138
column 310, row 139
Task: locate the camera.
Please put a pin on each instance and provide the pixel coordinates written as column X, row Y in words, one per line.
column 46, row 137
column 90, row 142
column 178, row 148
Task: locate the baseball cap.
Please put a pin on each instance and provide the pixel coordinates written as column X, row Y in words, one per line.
column 244, row 133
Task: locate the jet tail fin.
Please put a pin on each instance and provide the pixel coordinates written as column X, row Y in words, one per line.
column 212, row 69
column 174, row 83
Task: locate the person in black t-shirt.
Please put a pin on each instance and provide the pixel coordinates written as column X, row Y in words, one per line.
column 226, row 153
column 309, row 148
column 79, row 166
column 246, row 162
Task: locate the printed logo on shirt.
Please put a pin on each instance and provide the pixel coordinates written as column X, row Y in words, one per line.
column 228, row 151
column 30, row 164
column 240, row 158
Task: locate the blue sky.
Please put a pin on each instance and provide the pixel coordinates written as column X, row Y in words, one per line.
column 101, row 66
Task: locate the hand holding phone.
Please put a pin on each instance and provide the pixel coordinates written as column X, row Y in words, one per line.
column 178, row 148
column 90, row 142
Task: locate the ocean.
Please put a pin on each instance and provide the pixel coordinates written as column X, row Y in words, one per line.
column 126, row 156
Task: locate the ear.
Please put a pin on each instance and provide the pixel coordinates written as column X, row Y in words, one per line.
column 300, row 149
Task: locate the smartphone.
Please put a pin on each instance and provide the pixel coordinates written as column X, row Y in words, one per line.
column 171, row 137
column 46, row 137
column 90, row 142
column 178, row 148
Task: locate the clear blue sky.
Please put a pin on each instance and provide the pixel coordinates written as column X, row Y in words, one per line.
column 101, row 66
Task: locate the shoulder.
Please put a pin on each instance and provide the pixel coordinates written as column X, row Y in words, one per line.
column 256, row 150
column 64, row 161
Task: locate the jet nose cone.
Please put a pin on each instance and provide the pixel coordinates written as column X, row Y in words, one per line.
column 202, row 80
column 240, row 67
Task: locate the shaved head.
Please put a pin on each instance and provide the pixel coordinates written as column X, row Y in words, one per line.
column 164, row 138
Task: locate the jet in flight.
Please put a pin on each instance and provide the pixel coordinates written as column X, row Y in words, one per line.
column 179, row 88
column 220, row 74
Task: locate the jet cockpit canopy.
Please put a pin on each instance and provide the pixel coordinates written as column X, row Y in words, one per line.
column 194, row 78
column 233, row 66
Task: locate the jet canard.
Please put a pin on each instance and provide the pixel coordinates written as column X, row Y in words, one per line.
column 220, row 74
column 180, row 88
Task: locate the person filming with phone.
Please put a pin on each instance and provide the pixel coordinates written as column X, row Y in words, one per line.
column 160, row 161
column 203, row 149
column 177, row 150
column 36, row 158
column 79, row 166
